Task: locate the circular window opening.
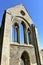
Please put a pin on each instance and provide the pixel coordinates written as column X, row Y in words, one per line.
column 22, row 12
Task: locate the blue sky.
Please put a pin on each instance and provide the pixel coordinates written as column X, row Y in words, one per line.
column 34, row 8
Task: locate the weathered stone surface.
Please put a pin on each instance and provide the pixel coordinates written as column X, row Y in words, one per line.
column 12, row 51
column 17, row 50
column 42, row 54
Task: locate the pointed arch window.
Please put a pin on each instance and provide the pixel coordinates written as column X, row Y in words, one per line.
column 15, row 30
column 23, row 33
column 28, row 36
column 20, row 33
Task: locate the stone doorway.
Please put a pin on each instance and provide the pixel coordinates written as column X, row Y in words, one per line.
column 25, row 60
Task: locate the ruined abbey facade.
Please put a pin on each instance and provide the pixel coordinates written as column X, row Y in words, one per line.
column 15, row 52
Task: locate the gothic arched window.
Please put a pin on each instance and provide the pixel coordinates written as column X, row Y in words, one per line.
column 29, row 40
column 15, row 29
column 23, row 33
column 28, row 35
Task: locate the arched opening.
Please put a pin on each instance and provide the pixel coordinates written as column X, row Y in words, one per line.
column 28, row 36
column 15, row 30
column 23, row 33
column 25, row 60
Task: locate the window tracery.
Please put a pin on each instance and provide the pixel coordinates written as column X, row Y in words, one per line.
column 20, row 33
